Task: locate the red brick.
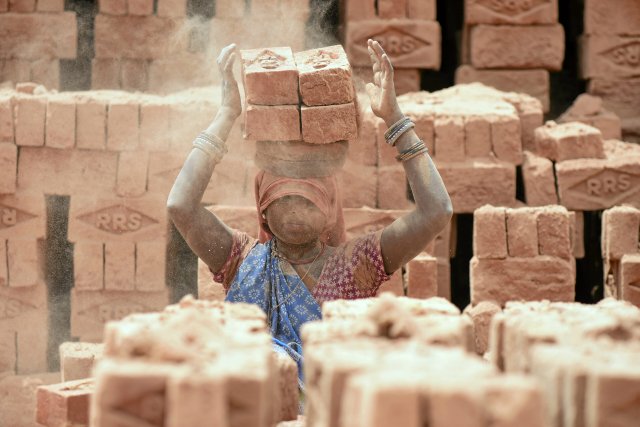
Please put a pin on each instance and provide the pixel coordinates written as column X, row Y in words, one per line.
column 208, row 289
column 123, row 126
column 614, row 17
column 22, row 6
column 620, row 96
column 392, row 188
column 539, row 180
column 630, row 278
column 620, row 232
column 6, row 120
column 609, row 57
column 88, row 265
column 154, row 126
column 163, row 171
column 137, row 37
column 151, row 265
column 77, row 359
column 532, row 82
column 30, row 115
column 50, row 6
column 119, row 266
column 23, row 215
column 577, row 233
column 331, row 123
column 421, row 9
column 4, row 5
column 186, row 121
column 612, row 388
column 91, row 117
column 279, row 123
column 520, row 394
column 230, row 9
column 193, row 397
column 490, row 232
column 422, row 277
column 172, row 8
column 358, row 185
column 528, row 279
column 46, row 72
column 66, row 403
column 409, row 43
column 325, row 76
column 539, row 46
column 131, row 180
column 7, row 347
column 588, row 110
column 522, row 232
column 61, row 123
column 140, row 7
column 16, row 70
column 481, row 315
column 568, row 141
column 354, row 10
column 514, row 13
column 8, row 167
column 113, row 7
column 236, row 173
column 506, row 139
column 25, row 262
column 38, row 35
column 390, row 9
column 405, row 80
column 394, row 284
column 477, row 134
column 134, row 75
column 270, row 76
column 105, row 73
column 449, row 141
column 554, row 232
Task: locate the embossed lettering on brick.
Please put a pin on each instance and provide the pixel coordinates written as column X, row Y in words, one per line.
column 118, row 220
column 608, row 186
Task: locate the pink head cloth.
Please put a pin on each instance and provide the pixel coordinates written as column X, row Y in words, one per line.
column 323, row 192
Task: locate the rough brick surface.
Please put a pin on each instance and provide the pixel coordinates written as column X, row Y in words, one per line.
column 66, row 403
column 88, row 261
column 554, row 232
column 91, row 119
column 620, row 232
column 392, row 188
column 123, row 130
column 490, row 232
column 325, row 76
column 568, row 141
column 172, row 8
column 630, row 278
column 154, row 126
column 522, row 232
column 30, row 114
column 113, row 7
column 6, row 120
column 24, row 262
column 38, row 35
column 449, row 139
column 140, row 7
column 540, row 46
column 615, row 17
column 270, row 76
column 620, row 96
column 105, row 73
column 481, row 315
column 131, row 180
column 539, row 180
column 151, row 265
column 23, row 215
column 358, row 184
column 272, row 123
column 329, row 123
column 422, row 277
column 78, row 358
column 8, row 167
column 60, row 127
column 477, row 137
column 521, row 12
column 588, row 109
column 50, row 6
column 506, row 139
column 119, row 266
column 609, row 57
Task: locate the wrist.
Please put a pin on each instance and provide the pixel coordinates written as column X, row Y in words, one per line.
column 393, row 118
column 228, row 113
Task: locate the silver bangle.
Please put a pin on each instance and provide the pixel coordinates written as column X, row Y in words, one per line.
column 398, row 133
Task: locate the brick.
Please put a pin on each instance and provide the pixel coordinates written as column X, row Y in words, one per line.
column 140, row 7
column 532, row 82
column 612, row 57
column 131, row 180
column 490, row 232
column 22, row 6
column 4, row 6
column 117, row 219
column 123, row 126
column 208, row 289
column 506, row 139
column 60, row 123
column 528, row 279
column 163, row 170
column 394, row 285
column 540, row 46
column 514, row 401
column 30, row 116
column 472, row 184
column 477, row 135
column 105, row 73
column 172, row 8
column 191, row 398
column 46, row 72
column 23, row 215
column 630, row 278
column 522, row 232
column 331, row 123
column 577, row 233
column 520, row 12
column 270, row 76
column 611, row 391
column 358, row 184
column 4, row 272
column 66, row 403
column 409, row 43
column 287, row 386
column 230, row 9
column 324, row 76
column 91, row 310
column 91, row 118
column 390, row 9
column 151, row 265
column 361, row 221
column 7, row 351
column 88, row 265
column 16, row 70
column 421, row 9
column 422, row 277
column 300, row 160
column 113, row 7
column 357, row 10
column 8, row 167
column 134, row 75
column 392, row 188
column 539, row 180
column 187, row 121
column 620, row 96
column 52, row 35
column 405, row 80
column 616, row 17
column 620, row 232
column 594, row 184
column 154, row 126
column 588, row 109
column 6, row 120
column 452, row 403
column 481, row 315
column 554, row 232
column 265, row 123
column 138, row 37
column 235, row 173
column 50, row 6
column 568, row 141
column 25, row 264
column 449, row 141
column 18, row 405
column 265, row 8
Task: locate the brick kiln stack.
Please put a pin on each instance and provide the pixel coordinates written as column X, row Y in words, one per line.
column 610, row 58
column 406, row 29
column 512, row 45
column 34, row 36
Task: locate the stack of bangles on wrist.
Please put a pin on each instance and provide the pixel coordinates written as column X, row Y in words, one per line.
column 413, row 151
column 397, row 130
column 212, row 145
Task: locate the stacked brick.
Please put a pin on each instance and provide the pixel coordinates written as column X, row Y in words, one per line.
column 376, row 362
column 34, row 36
column 609, row 52
column 588, row 369
column 522, row 254
column 407, row 30
column 588, row 109
column 621, row 253
column 512, row 45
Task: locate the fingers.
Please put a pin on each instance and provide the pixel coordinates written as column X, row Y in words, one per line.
column 387, row 68
column 377, row 48
column 228, row 67
column 225, row 53
column 371, row 90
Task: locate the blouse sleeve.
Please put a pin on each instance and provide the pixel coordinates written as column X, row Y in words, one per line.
column 242, row 244
column 364, row 257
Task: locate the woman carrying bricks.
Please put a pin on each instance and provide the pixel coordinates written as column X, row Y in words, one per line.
column 301, row 259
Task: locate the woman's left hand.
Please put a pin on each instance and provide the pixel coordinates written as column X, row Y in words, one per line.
column 382, row 92
column 230, row 91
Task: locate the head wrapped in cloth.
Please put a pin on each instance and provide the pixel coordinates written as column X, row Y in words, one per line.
column 322, row 192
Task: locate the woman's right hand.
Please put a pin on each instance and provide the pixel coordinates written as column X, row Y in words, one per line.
column 230, row 91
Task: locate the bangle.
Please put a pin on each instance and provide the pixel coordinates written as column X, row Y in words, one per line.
column 413, row 151
column 393, row 138
column 213, row 146
column 397, row 125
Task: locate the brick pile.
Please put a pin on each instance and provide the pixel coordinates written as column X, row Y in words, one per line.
column 377, row 362
column 588, row 109
column 621, row 253
column 194, row 363
column 406, row 29
column 512, row 45
column 34, row 36
column 609, row 58
column 584, row 356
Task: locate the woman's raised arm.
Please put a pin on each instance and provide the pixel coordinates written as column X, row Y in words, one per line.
column 206, row 235
column 408, row 235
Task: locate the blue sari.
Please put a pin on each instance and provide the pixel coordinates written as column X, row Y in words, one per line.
column 284, row 298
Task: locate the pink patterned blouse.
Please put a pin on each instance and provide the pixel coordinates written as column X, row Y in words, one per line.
column 355, row 269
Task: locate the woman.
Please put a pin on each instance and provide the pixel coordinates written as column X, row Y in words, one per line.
column 300, row 260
